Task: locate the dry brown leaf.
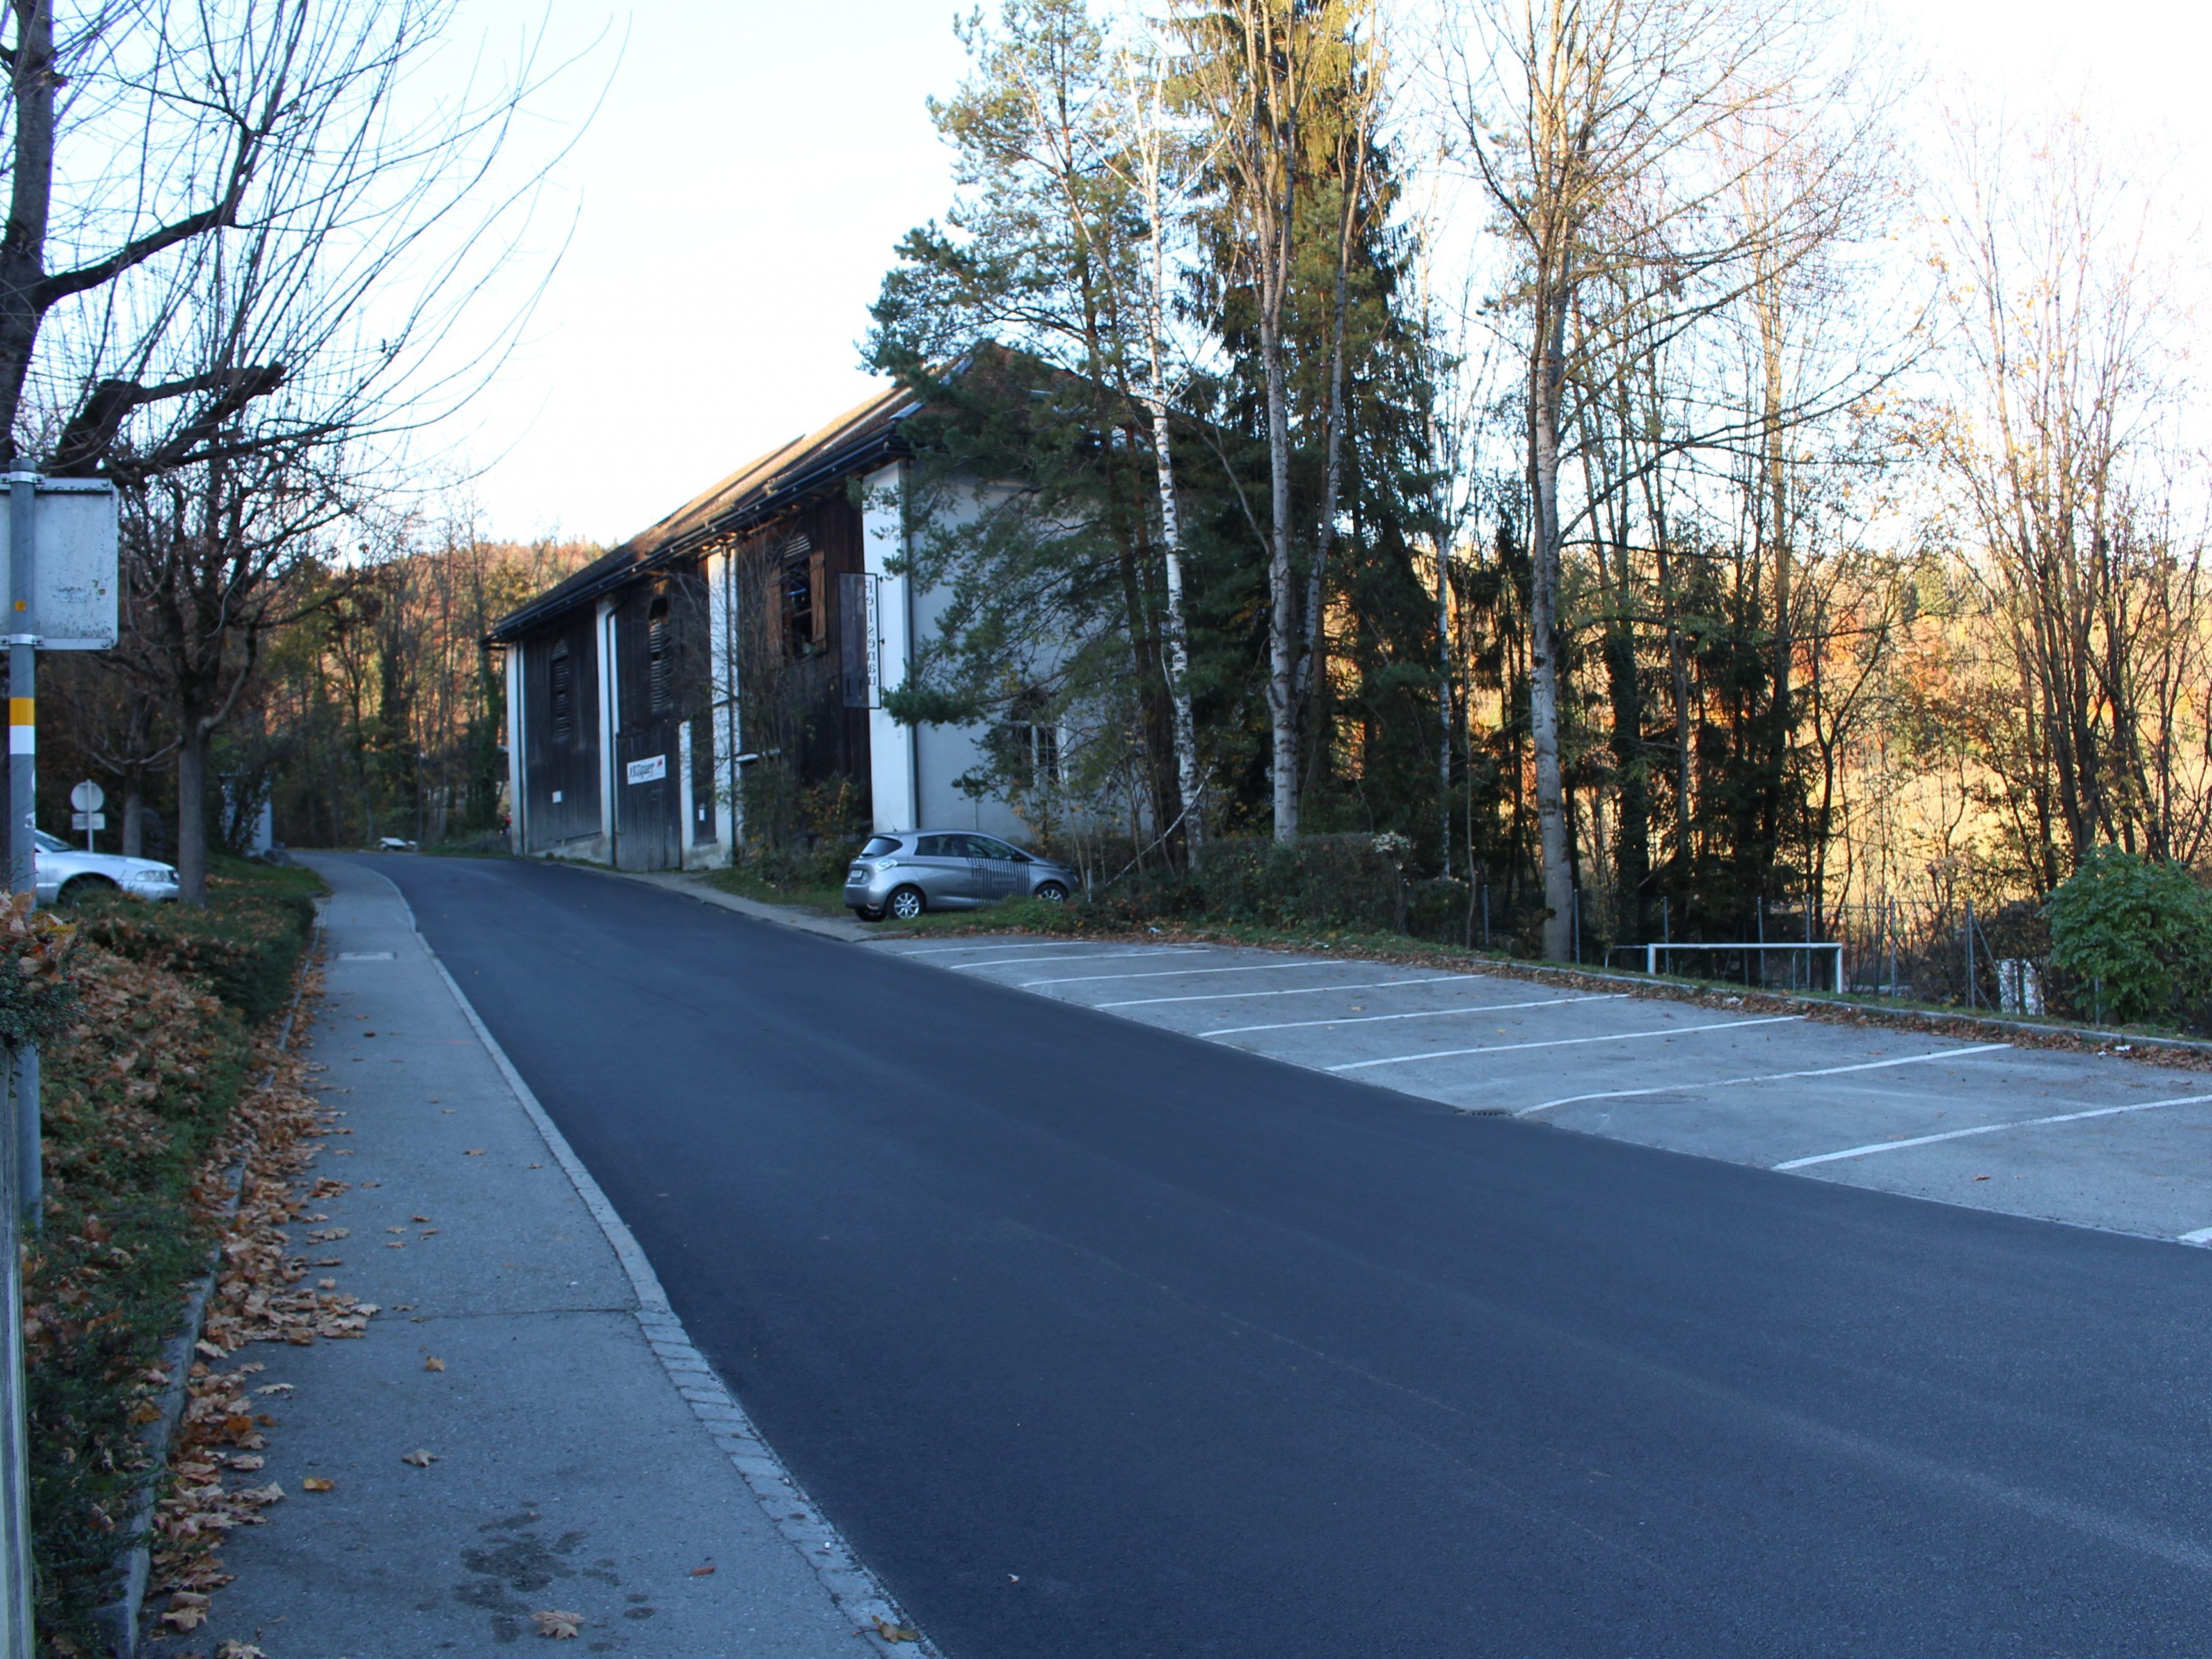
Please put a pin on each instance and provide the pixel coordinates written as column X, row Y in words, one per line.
column 891, row 1632
column 419, row 1458
column 474, row 1152
column 422, row 1218
column 235, row 1649
column 560, row 1627
column 317, row 1483
column 434, row 1364
column 703, row 1572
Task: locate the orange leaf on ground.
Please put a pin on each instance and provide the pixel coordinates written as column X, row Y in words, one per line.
column 560, row 1627
column 434, row 1364
column 316, row 1483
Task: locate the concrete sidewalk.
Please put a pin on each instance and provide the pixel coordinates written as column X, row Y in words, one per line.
column 587, row 1459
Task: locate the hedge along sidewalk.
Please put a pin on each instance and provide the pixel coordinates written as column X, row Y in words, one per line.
column 567, row 1453
column 259, row 1151
column 143, row 1084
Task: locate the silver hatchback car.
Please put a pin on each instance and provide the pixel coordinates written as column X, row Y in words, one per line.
column 917, row 870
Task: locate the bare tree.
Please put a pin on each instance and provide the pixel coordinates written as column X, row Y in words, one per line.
column 243, row 390
column 1256, row 67
column 2071, row 340
column 1608, row 139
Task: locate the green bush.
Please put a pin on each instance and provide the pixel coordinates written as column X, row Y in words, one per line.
column 243, row 947
column 2139, row 928
column 1317, row 881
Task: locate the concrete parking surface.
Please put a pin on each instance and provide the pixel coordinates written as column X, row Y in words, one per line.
column 2100, row 1142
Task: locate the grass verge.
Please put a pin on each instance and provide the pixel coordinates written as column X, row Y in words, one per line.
column 139, row 1092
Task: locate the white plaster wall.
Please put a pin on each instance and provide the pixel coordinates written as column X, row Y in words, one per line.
column 517, row 789
column 894, row 787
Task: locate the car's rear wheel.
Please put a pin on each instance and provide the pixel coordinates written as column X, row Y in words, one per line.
column 870, row 913
column 77, row 888
column 1052, row 893
column 905, row 904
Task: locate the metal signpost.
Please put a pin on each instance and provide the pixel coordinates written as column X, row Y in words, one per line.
column 87, row 798
column 60, row 548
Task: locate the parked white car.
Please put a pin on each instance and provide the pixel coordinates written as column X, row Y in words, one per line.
column 67, row 871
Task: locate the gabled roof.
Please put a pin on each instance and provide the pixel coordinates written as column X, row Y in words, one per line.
column 856, row 441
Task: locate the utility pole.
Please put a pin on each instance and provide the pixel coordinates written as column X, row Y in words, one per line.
column 22, row 1172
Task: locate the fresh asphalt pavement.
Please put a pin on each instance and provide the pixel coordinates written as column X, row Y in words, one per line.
column 1099, row 1337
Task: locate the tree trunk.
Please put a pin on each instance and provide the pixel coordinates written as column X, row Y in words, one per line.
column 192, row 809
column 23, row 248
column 1282, row 596
column 1186, row 738
column 1543, row 641
column 134, row 827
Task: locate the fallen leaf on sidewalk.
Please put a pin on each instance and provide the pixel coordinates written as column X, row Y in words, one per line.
column 538, row 1166
column 274, row 1387
column 703, row 1572
column 401, row 1230
column 326, row 1283
column 395, row 1244
column 328, row 1261
column 560, row 1627
column 328, row 1234
column 187, row 1608
column 316, row 1483
column 422, row 1218
column 891, row 1632
column 473, row 1151
column 434, row 1364
column 235, row 1649
column 419, row 1458
column 428, row 1231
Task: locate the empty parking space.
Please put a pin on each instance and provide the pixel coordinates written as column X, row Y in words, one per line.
column 2071, row 1137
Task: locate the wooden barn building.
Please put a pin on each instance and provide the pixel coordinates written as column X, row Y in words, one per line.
column 729, row 663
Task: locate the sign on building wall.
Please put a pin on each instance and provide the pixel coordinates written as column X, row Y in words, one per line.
column 650, row 770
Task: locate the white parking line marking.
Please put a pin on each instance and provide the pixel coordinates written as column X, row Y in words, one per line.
column 1426, row 1013
column 1175, row 973
column 2201, row 1236
column 1090, row 956
column 1764, row 1076
column 889, row 946
column 1563, row 1043
column 1989, row 1129
column 1296, row 991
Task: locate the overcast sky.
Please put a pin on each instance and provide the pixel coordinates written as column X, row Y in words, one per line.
column 733, row 207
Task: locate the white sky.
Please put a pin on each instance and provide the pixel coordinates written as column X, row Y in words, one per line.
column 738, row 197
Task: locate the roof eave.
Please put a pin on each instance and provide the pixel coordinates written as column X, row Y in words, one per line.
column 859, row 455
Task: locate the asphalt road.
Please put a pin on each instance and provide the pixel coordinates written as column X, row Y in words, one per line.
column 1099, row 1339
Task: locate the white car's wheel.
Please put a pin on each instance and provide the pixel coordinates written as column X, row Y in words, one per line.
column 83, row 887
column 1052, row 893
column 905, row 904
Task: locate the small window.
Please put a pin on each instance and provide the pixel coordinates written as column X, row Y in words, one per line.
column 939, row 846
column 660, row 670
column 801, row 576
column 880, row 847
column 1044, row 757
column 564, row 677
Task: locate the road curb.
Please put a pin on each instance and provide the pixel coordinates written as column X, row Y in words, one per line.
column 856, row 1591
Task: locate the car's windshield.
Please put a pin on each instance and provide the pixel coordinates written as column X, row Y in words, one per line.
column 52, row 843
column 879, row 845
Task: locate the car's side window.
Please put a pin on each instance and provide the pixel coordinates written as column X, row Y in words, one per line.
column 987, row 849
column 937, row 846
